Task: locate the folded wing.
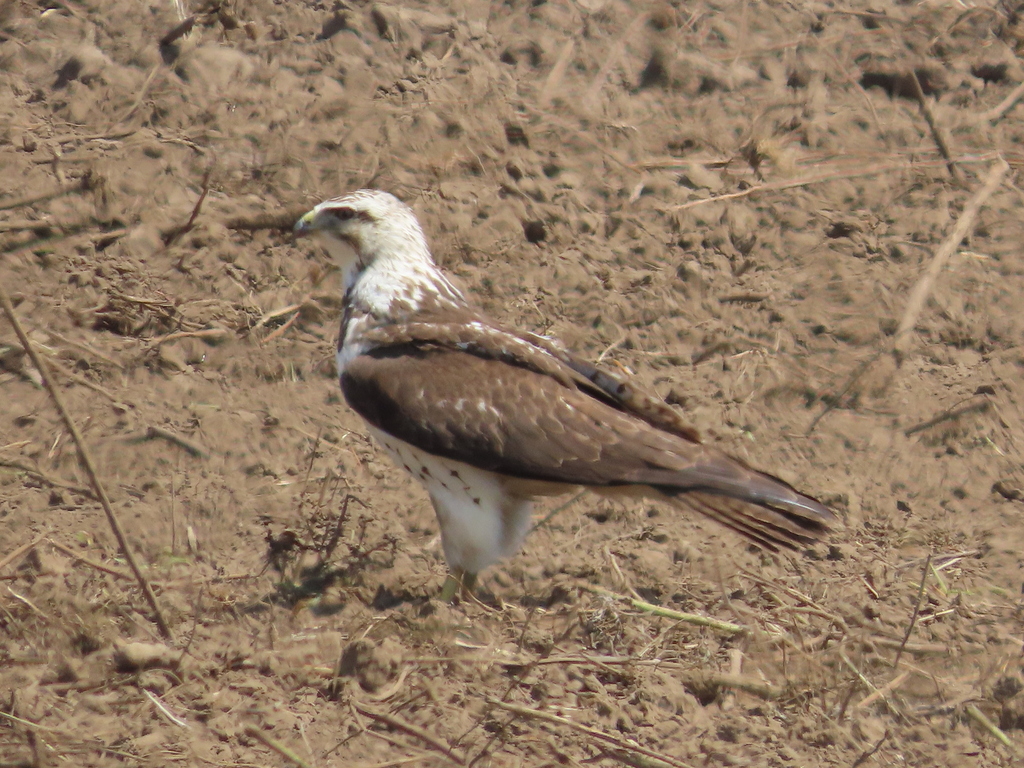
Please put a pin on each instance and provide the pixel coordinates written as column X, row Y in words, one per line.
column 513, row 420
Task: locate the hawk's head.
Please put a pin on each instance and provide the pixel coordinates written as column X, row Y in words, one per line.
column 363, row 227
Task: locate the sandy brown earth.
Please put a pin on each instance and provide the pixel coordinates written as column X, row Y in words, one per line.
column 732, row 200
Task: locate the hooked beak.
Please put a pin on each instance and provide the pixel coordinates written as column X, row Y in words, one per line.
column 306, row 225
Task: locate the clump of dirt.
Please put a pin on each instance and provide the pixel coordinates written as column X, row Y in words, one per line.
column 731, row 201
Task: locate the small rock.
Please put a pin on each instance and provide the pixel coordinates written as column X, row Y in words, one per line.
column 217, row 68
column 372, row 665
column 696, row 176
column 133, row 657
column 1007, row 491
column 172, row 356
column 1006, row 688
column 84, row 64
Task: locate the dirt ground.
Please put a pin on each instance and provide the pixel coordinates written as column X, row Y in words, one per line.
column 733, row 200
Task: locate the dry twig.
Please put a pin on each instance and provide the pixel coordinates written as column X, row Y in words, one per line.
column 19, row 552
column 607, row 738
column 914, row 649
column 80, row 185
column 1004, row 106
column 920, row 292
column 276, row 313
column 86, row 561
column 255, row 733
column 52, row 236
column 400, row 725
column 283, row 329
column 834, row 401
column 139, row 97
column 190, row 446
column 209, row 335
column 948, row 415
column 554, row 79
column 49, row 480
column 864, row 756
column 172, row 237
column 937, row 135
column 284, row 222
column 165, row 710
column 81, row 380
column 86, row 458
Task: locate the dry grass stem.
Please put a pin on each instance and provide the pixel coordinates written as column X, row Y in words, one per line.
column 82, row 381
column 705, row 680
column 209, row 335
column 164, row 709
column 878, row 693
column 668, row 613
column 64, row 233
column 276, row 313
column 255, row 733
column 390, row 763
column 917, row 610
column 139, row 98
column 914, row 649
column 31, row 606
column 777, row 186
column 591, row 101
column 883, row 695
column 982, row 719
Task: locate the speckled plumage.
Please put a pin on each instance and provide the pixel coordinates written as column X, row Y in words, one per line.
column 488, row 418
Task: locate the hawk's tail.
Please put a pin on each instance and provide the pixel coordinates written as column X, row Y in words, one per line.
column 762, row 508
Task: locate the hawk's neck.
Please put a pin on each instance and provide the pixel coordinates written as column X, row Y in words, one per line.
column 393, row 289
column 394, row 292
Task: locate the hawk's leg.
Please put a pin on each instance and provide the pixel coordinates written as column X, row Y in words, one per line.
column 458, row 582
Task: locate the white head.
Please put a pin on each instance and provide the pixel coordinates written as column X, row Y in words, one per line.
column 363, row 227
column 378, row 243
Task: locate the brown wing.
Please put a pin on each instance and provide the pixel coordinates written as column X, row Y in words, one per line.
column 474, row 333
column 512, row 420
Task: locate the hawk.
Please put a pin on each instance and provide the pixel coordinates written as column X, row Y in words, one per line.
column 488, row 418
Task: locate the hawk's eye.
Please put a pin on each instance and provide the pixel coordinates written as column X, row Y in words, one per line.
column 343, row 214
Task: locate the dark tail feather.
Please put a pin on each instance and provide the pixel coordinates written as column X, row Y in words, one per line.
column 772, row 514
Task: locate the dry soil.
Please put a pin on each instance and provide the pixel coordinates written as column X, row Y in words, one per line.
column 733, row 200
